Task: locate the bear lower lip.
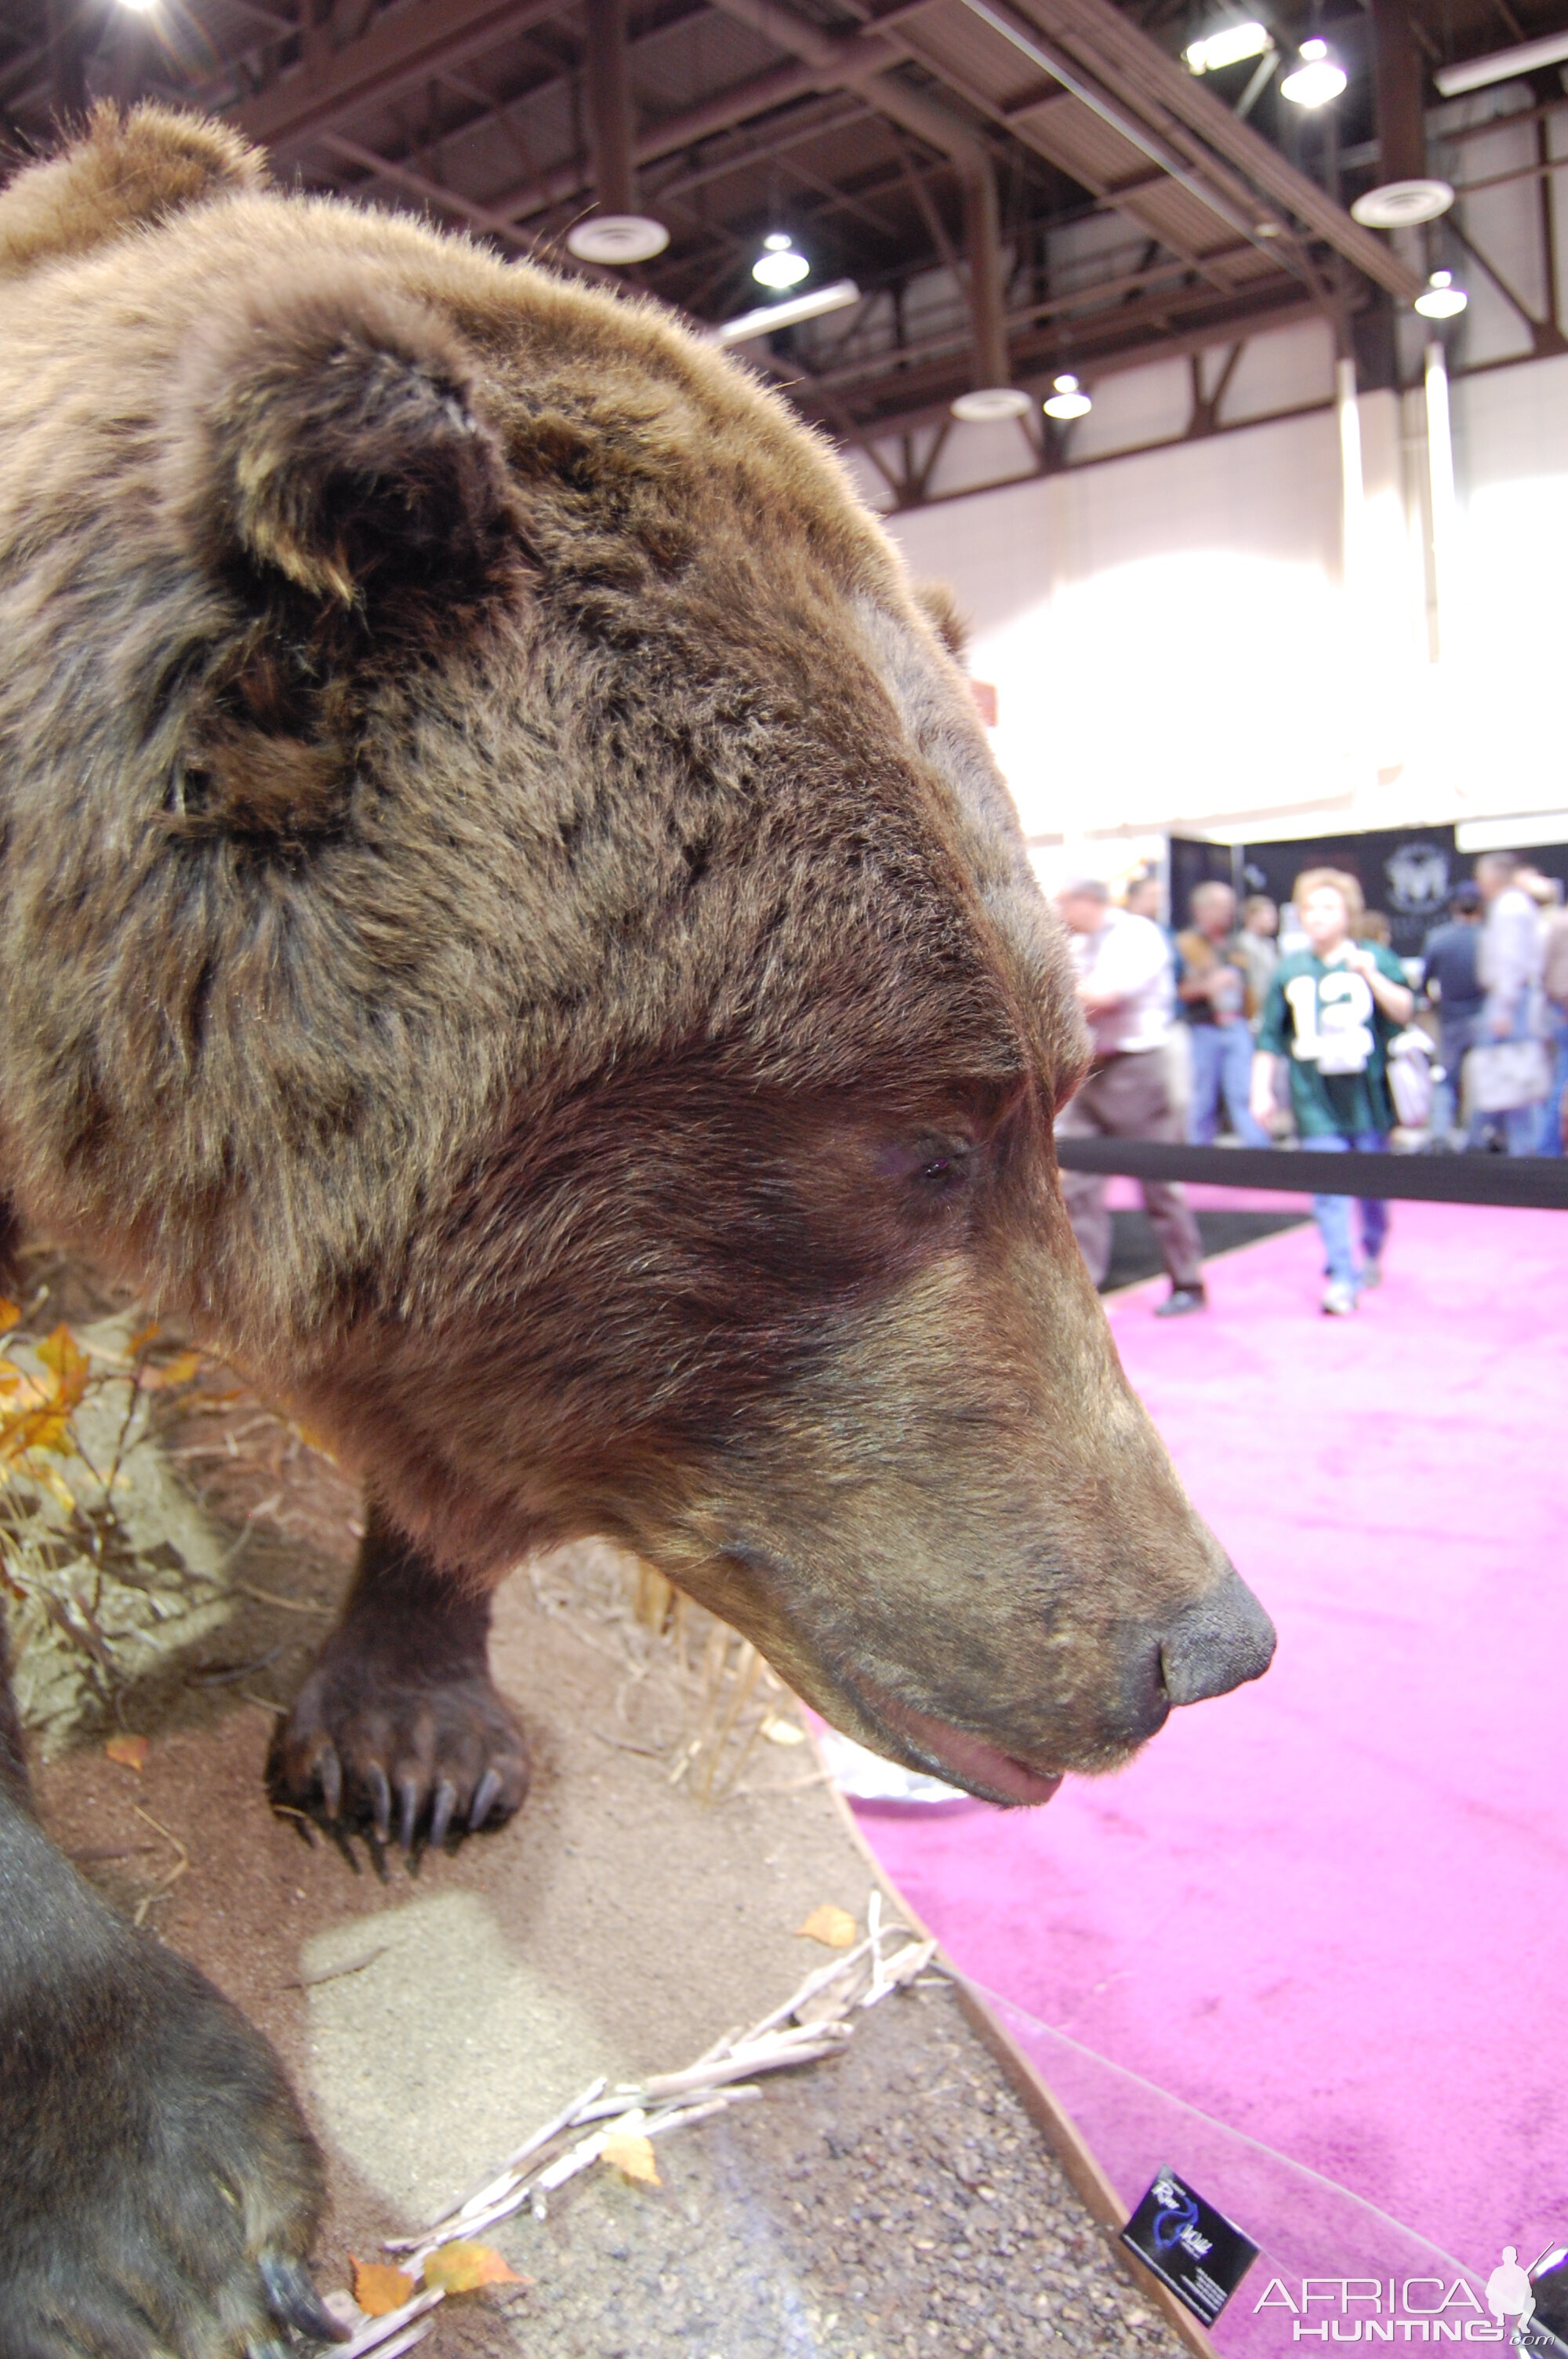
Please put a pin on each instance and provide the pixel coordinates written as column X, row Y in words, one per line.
column 970, row 1761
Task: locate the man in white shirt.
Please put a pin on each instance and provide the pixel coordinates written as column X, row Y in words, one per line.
column 1126, row 986
column 1511, row 964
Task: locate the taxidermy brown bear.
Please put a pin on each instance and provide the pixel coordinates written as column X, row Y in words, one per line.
column 509, row 925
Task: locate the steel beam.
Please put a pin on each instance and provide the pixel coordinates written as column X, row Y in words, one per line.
column 407, row 47
column 1139, row 71
column 609, row 92
column 865, row 65
column 1400, row 85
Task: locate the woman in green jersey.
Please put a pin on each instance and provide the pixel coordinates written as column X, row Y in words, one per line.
column 1332, row 1010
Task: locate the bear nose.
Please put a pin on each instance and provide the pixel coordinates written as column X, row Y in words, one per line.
column 1221, row 1640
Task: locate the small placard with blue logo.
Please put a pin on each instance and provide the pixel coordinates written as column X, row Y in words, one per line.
column 1193, row 2248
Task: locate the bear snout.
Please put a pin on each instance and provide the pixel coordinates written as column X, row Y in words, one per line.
column 1219, row 1641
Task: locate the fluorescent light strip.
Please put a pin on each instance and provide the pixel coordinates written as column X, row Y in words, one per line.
column 769, row 315
column 1520, row 834
column 1502, row 65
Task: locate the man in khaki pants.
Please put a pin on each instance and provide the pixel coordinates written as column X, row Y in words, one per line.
column 1124, row 984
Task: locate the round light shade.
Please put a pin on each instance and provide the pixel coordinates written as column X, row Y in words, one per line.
column 1402, row 204
column 1067, row 399
column 1440, row 299
column 1317, row 78
column 617, row 239
column 990, row 403
column 779, row 266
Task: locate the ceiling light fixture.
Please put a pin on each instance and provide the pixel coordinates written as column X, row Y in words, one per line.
column 779, row 265
column 1402, row 204
column 1229, row 47
column 988, row 404
column 769, row 317
column 1317, row 78
column 618, row 239
column 1441, row 298
column 1501, row 65
column 1068, row 400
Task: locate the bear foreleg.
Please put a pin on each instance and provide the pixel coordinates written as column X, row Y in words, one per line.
column 400, row 1717
column 158, row 2187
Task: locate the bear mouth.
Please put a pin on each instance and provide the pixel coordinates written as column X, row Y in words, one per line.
column 958, row 1756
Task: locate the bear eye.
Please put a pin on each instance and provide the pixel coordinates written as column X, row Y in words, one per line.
column 944, row 1171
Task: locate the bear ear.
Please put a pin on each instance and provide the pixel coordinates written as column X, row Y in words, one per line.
column 939, row 604
column 328, row 435
column 125, row 171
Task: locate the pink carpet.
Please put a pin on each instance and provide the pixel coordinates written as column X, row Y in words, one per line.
column 1312, row 1948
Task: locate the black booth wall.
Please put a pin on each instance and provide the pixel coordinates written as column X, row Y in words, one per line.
column 1408, row 873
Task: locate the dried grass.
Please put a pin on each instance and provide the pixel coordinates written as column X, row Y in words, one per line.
column 694, row 1693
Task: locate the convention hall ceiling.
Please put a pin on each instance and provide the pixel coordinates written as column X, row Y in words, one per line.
column 1014, row 186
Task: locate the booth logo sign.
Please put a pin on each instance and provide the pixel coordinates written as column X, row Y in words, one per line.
column 1418, row 879
column 1413, row 2309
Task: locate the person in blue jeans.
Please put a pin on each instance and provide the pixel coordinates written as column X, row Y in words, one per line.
column 1554, row 983
column 1332, row 1010
column 1211, row 984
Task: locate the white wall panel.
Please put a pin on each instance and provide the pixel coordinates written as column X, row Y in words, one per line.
column 1284, row 371
column 1139, row 405
column 1150, row 626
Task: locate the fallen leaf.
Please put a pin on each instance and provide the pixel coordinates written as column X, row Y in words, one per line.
column 634, row 2155
column 834, row 1927
column 64, row 1357
column 143, row 1337
column 9, row 1314
column 178, row 1371
column 379, row 2288
column 130, row 1752
column 459, row 2268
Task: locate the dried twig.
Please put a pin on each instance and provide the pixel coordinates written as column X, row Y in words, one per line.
column 725, row 2075
column 286, row 1604
column 180, row 1868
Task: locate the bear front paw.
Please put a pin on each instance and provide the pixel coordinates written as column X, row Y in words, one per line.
column 363, row 1747
column 159, row 2190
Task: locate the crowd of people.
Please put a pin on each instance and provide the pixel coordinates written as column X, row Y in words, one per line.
column 1315, row 1034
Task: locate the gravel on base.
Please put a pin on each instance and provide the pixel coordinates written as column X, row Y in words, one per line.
column 893, row 2202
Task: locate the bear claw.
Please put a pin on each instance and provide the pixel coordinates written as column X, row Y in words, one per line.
column 295, row 2300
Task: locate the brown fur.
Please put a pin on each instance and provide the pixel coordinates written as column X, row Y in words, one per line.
column 508, row 921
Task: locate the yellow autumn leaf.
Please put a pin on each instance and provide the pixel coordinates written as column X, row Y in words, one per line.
column 9, row 1315
column 65, row 1359
column 460, row 2269
column 130, row 1752
column 834, row 1927
column 379, row 2288
column 633, row 2154
column 139, row 1343
column 178, row 1371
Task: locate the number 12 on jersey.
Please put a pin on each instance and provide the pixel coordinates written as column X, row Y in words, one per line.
column 1331, row 1020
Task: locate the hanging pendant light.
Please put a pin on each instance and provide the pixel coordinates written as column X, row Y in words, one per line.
column 1441, row 298
column 1067, row 398
column 1317, row 78
column 779, row 265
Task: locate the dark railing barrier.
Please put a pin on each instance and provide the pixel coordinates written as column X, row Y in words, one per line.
column 1524, row 1182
